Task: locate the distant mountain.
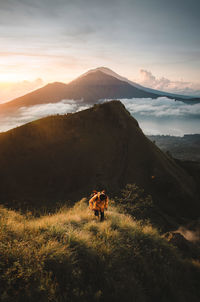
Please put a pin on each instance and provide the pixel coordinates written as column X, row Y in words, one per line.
column 61, row 157
column 157, row 92
column 97, row 84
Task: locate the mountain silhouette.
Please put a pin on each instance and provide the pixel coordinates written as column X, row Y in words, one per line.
column 97, row 84
column 158, row 93
column 64, row 157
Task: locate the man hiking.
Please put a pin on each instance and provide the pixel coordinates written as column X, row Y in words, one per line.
column 98, row 203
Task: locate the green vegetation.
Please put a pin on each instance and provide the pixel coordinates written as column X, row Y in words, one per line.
column 135, row 202
column 71, row 256
column 182, row 148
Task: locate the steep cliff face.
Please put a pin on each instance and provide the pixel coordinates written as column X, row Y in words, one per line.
column 61, row 157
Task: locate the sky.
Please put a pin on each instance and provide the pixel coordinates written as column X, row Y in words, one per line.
column 153, row 42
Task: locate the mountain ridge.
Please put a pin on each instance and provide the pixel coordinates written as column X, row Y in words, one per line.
column 103, row 146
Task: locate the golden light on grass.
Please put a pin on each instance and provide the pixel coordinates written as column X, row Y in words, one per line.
column 69, row 253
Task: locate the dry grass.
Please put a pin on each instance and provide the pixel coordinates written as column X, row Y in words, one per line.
column 71, row 256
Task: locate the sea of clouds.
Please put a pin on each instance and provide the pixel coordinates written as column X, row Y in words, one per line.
column 28, row 114
column 161, row 107
column 155, row 116
column 164, row 116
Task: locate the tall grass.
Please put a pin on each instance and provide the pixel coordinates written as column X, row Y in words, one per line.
column 71, row 256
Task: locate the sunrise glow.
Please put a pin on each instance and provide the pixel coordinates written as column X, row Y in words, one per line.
column 61, row 40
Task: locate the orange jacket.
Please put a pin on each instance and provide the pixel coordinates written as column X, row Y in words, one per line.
column 96, row 204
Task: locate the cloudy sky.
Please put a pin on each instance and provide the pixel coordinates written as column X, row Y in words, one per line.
column 154, row 42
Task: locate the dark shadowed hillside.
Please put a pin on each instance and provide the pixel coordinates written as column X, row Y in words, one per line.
column 63, row 157
column 183, row 148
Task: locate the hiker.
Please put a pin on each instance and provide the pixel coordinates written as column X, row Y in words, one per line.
column 98, row 203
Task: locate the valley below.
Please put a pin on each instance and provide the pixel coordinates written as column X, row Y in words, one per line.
column 185, row 148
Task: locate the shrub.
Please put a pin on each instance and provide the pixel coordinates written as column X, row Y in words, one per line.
column 135, row 202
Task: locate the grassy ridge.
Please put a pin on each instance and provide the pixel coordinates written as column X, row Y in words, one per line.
column 70, row 256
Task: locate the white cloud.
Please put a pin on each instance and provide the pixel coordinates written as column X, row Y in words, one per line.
column 180, row 87
column 155, row 116
column 164, row 116
column 28, row 114
column 161, row 107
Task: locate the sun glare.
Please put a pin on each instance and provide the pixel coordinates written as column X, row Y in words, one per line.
column 12, row 77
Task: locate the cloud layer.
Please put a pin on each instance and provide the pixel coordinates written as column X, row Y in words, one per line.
column 28, row 114
column 161, row 107
column 164, row 116
column 155, row 116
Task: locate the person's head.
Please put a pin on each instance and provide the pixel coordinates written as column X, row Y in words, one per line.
column 102, row 196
